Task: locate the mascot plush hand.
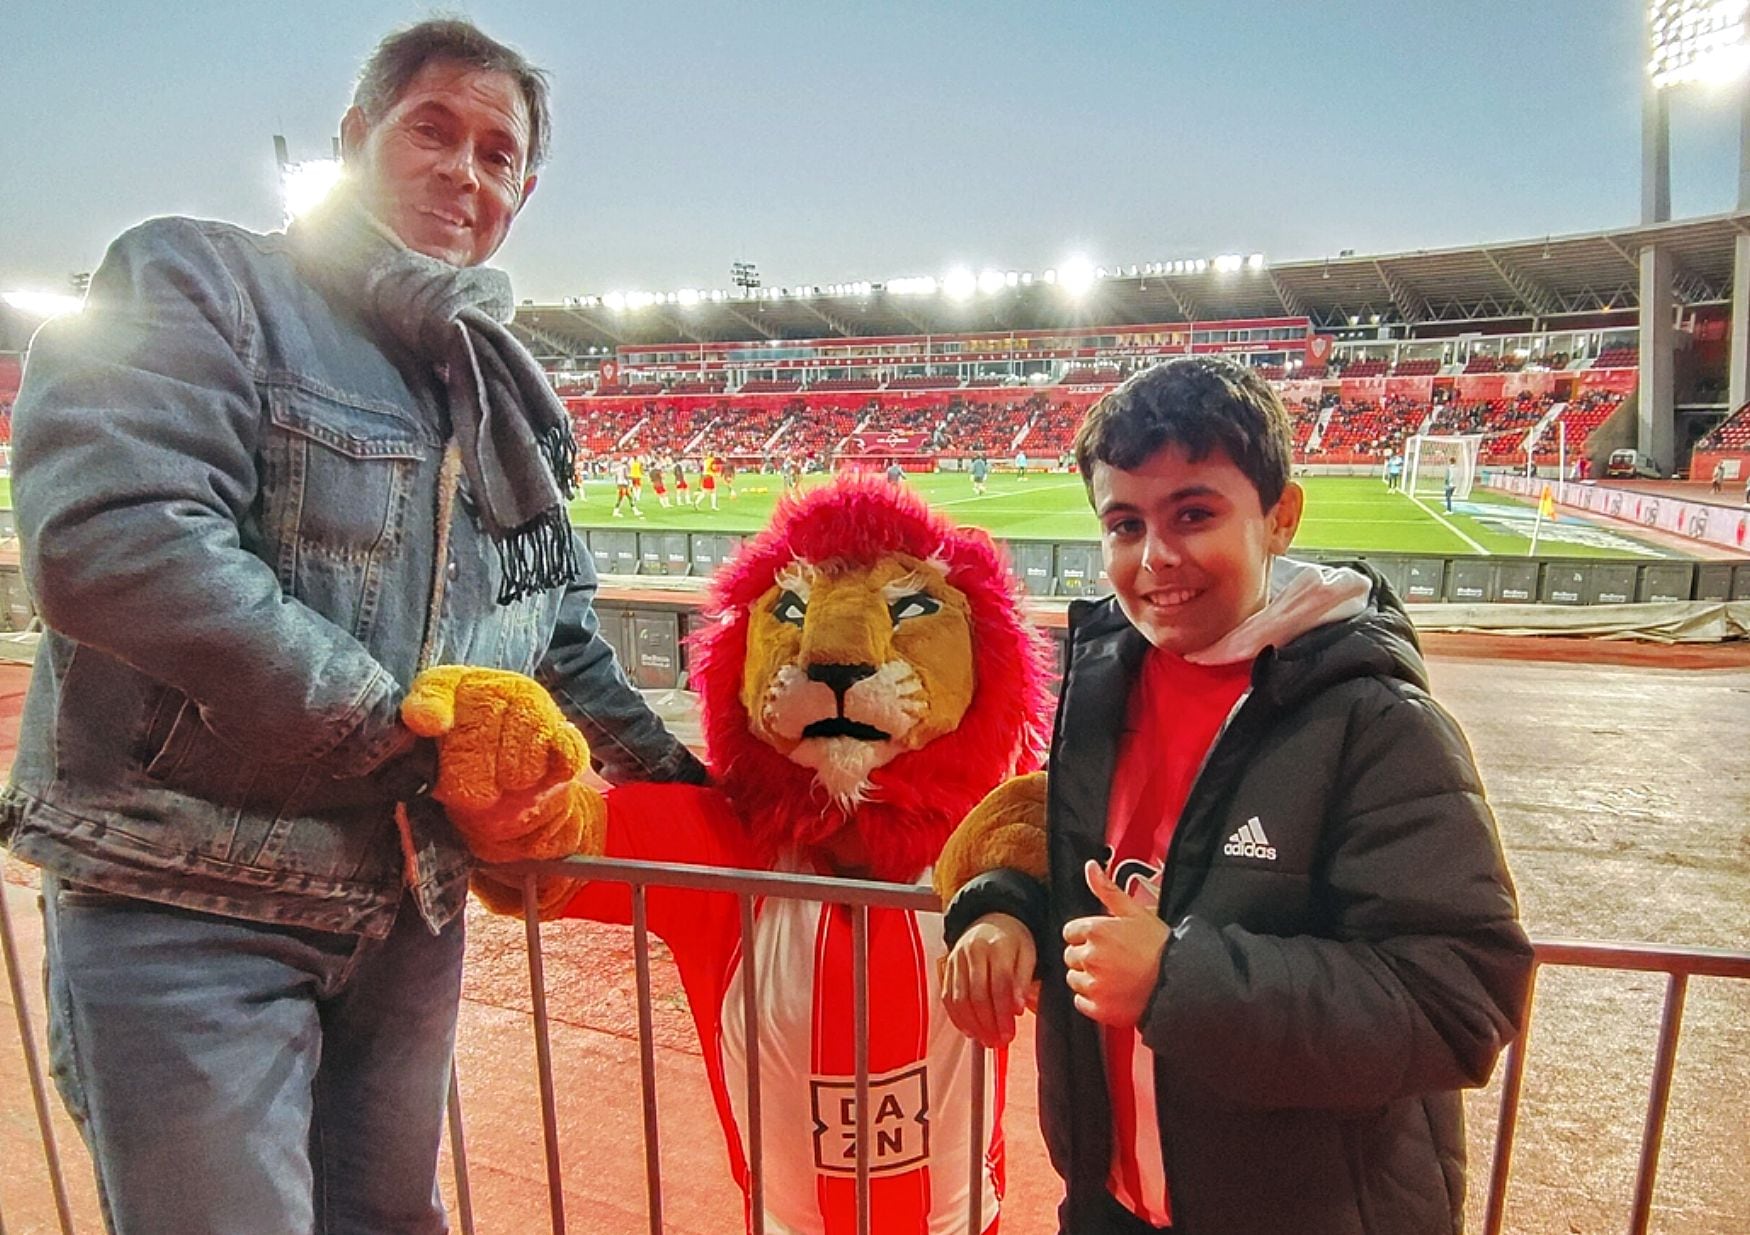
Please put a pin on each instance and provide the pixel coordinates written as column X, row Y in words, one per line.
column 868, row 680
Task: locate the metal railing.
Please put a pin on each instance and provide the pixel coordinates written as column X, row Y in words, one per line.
column 858, row 895
column 1678, row 964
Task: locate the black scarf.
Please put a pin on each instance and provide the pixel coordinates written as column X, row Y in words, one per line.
column 515, row 435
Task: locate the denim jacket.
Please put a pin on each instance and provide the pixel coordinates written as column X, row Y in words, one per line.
column 243, row 527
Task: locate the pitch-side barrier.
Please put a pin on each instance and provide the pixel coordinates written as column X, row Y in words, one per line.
column 1678, row 965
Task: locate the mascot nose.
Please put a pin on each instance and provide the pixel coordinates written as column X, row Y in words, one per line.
column 840, row 677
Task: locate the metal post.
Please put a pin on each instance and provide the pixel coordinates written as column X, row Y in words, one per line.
column 647, row 1059
column 975, row 1147
column 458, row 1155
column 860, row 1012
column 1670, row 1026
column 750, row 1023
column 543, row 1053
column 33, row 1068
column 1508, row 1123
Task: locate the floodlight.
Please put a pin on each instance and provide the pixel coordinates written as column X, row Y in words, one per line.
column 43, row 304
column 1255, row 261
column 1698, row 41
column 1050, row 275
column 304, row 186
column 990, row 282
column 1026, row 278
column 1076, row 276
column 615, row 301
column 687, row 296
column 1227, row 263
column 959, row 283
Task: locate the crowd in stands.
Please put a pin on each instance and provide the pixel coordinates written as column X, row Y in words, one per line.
column 1054, row 428
column 809, row 425
column 1731, row 434
column 991, row 428
column 1364, row 430
column 818, row 433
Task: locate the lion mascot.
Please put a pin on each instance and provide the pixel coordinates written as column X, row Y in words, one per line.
column 867, row 677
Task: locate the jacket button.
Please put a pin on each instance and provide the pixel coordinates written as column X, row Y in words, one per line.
column 453, row 571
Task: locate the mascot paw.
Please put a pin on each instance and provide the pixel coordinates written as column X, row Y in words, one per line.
column 536, row 826
column 1006, row 829
column 497, row 733
column 557, row 822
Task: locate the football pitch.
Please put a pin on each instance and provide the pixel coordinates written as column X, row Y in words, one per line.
column 1355, row 514
column 1344, row 514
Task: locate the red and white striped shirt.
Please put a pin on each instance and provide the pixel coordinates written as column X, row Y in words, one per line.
column 919, row 1064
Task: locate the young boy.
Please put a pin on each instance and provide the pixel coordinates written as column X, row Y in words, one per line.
column 1275, row 935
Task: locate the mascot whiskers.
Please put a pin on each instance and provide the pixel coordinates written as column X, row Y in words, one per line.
column 868, row 679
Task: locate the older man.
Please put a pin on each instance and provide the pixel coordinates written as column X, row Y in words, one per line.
column 262, row 482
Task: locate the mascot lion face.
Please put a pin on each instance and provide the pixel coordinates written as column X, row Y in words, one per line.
column 848, row 666
column 871, row 669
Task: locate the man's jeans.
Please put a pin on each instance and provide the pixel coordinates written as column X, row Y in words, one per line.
column 233, row 1078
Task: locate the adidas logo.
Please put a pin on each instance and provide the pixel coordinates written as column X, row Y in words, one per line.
column 1250, row 842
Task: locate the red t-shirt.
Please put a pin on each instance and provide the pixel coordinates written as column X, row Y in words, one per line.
column 1176, row 711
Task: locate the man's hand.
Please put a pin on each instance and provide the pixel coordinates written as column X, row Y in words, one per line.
column 497, row 733
column 1114, row 962
column 987, row 980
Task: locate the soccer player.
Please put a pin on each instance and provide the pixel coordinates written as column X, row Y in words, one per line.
column 980, row 473
column 1275, row 935
column 623, row 493
column 656, row 482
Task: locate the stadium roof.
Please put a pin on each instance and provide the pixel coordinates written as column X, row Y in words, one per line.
column 1544, row 278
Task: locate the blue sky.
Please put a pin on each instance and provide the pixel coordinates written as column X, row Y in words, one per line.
column 830, row 142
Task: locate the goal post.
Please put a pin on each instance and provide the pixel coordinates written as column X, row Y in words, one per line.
column 1431, row 460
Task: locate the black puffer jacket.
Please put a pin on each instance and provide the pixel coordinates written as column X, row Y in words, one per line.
column 1325, row 995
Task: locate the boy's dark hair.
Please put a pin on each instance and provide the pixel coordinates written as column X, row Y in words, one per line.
column 1199, row 404
column 400, row 56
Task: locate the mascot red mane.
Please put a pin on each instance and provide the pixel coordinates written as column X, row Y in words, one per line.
column 869, row 677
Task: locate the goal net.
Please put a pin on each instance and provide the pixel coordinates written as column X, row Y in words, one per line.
column 1430, row 463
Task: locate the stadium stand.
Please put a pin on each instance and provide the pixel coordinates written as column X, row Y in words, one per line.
column 991, row 428
column 1365, row 368
column 1108, row 375
column 598, row 427
column 1730, row 435
column 924, row 382
column 1618, row 358
column 669, row 428
column 696, row 388
column 771, row 386
column 1416, row 368
column 1366, row 432
column 845, row 383
column 1582, row 416
column 1481, row 362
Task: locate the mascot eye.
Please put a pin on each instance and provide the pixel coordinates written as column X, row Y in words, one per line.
column 790, row 608
column 918, row 604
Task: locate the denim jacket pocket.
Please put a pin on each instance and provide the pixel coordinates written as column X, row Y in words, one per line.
column 337, row 479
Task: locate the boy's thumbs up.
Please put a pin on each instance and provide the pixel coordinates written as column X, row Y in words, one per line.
column 1113, row 962
column 1118, row 902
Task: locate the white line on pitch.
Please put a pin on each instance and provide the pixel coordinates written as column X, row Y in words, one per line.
column 1447, row 524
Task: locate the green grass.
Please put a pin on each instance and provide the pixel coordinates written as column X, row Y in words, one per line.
column 1343, row 514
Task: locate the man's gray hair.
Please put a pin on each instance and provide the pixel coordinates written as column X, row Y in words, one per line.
column 399, row 58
